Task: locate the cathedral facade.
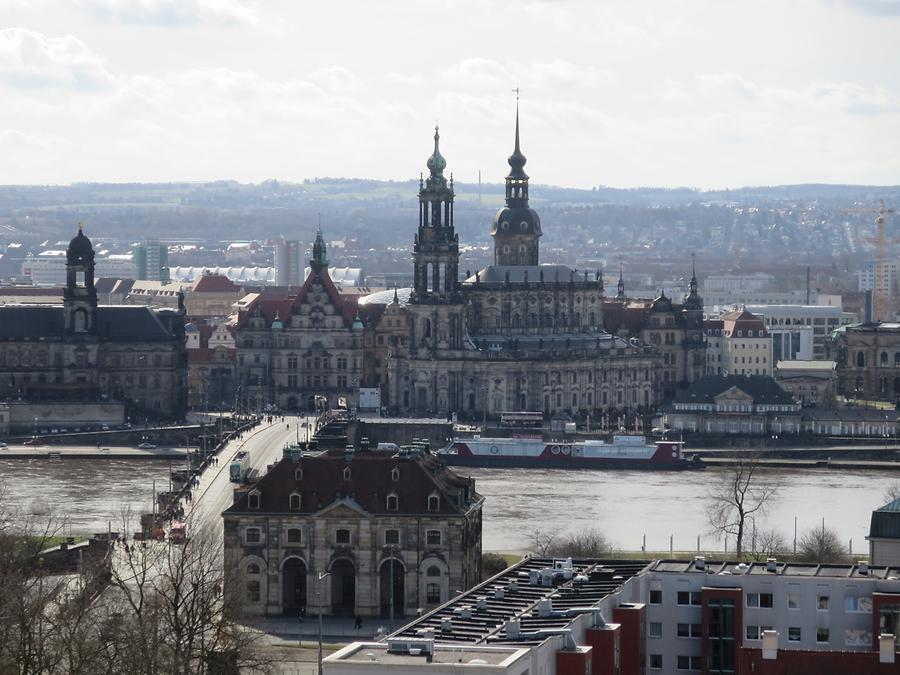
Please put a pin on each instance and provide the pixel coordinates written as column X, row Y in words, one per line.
column 516, row 335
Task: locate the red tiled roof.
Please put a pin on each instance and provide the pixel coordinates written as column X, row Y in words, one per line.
column 370, row 483
column 215, row 283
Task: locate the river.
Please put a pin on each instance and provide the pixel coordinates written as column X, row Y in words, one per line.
column 623, row 505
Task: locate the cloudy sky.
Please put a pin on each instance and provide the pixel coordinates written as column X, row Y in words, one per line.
column 703, row 93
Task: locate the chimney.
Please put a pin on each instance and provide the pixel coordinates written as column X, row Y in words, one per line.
column 770, row 645
column 886, row 648
column 771, row 564
column 513, row 630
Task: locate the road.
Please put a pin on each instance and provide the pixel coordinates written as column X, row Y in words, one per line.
column 265, row 444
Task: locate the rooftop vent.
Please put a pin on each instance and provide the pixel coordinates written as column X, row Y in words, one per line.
column 771, row 564
column 499, row 594
column 481, row 602
column 414, row 647
column 863, row 567
column 446, row 625
column 513, row 630
column 513, row 586
column 699, row 562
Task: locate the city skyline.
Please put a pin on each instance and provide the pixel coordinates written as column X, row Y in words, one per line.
column 666, row 95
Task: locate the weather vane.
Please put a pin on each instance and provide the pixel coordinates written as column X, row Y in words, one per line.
column 516, row 90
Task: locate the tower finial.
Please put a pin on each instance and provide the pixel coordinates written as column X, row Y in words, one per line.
column 436, row 163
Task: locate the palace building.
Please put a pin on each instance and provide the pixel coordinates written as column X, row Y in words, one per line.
column 80, row 351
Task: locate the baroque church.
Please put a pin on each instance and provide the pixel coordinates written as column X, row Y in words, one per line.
column 85, row 352
column 516, row 335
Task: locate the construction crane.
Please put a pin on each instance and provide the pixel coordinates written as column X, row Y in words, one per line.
column 880, row 289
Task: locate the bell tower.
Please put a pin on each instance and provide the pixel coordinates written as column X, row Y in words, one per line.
column 436, row 245
column 517, row 227
column 80, row 296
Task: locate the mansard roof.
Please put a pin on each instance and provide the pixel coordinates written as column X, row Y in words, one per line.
column 123, row 323
column 496, row 274
column 370, row 481
column 763, row 389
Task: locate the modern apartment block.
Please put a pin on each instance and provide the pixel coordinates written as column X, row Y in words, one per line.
column 612, row 617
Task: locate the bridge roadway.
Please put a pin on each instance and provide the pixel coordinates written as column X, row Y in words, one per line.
column 265, row 443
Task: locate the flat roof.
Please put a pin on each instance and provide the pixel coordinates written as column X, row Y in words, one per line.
column 782, row 568
column 460, row 655
column 807, row 365
column 509, row 595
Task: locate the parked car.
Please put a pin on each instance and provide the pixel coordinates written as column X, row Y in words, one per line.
column 147, row 446
column 3, row 445
column 104, row 427
column 34, row 441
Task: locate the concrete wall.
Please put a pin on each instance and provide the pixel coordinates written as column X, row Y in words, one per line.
column 24, row 417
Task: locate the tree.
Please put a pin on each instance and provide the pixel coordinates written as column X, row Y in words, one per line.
column 491, row 564
column 587, row 543
column 892, row 493
column 821, row 544
column 770, row 543
column 742, row 491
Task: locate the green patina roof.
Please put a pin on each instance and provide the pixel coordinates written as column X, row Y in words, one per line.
column 886, row 521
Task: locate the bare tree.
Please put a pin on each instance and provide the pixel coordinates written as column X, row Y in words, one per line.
column 892, row 493
column 742, row 491
column 587, row 543
column 821, row 544
column 770, row 543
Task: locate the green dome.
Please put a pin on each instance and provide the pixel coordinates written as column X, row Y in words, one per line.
column 436, row 163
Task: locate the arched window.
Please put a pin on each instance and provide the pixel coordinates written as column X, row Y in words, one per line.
column 860, row 359
column 433, row 571
column 348, row 474
column 883, row 360
column 393, row 503
column 253, row 500
column 298, row 474
column 295, row 502
column 426, row 331
column 253, row 568
column 434, row 503
column 395, row 474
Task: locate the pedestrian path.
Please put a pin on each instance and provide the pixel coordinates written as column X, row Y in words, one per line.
column 334, row 629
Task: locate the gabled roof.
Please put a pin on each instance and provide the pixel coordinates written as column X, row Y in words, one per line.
column 763, row 389
column 369, row 484
column 283, row 305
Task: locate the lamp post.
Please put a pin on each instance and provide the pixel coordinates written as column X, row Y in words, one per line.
column 322, row 575
column 391, row 592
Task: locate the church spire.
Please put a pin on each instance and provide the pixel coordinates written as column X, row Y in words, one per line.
column 436, row 163
column 620, row 294
column 319, row 260
column 693, row 299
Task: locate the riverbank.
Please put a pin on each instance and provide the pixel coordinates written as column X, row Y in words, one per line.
column 58, row 452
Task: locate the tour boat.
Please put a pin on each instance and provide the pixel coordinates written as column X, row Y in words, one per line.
column 623, row 452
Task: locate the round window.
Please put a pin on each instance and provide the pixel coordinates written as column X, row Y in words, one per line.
column 505, row 225
column 523, row 225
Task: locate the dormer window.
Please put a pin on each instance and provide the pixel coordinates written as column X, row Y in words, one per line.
column 253, row 500
column 347, row 473
column 298, row 474
column 295, row 501
column 434, row 503
column 395, row 474
column 393, row 502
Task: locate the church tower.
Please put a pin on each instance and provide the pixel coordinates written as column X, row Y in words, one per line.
column 319, row 261
column 436, row 246
column 80, row 296
column 517, row 227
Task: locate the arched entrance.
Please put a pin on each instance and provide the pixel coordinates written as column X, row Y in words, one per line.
column 293, row 586
column 392, row 567
column 343, row 588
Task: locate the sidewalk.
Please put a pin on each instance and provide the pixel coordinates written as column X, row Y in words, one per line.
column 334, row 629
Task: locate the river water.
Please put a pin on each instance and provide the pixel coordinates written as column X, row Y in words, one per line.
column 623, row 505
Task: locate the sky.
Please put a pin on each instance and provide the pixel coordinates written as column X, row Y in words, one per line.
column 668, row 93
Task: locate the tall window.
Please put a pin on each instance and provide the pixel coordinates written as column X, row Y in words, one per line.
column 393, row 503
column 432, row 593
column 721, row 636
column 295, row 502
column 434, row 503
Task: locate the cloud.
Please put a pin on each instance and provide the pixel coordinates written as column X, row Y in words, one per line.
column 173, row 13
column 875, row 7
column 34, row 60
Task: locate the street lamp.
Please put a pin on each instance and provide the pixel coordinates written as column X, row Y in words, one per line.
column 322, row 575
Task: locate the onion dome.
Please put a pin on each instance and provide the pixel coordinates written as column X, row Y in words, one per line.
column 436, row 163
